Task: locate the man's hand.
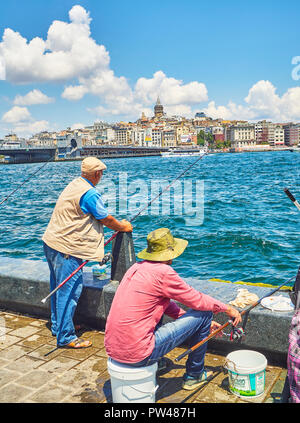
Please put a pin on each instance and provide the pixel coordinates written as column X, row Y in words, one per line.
column 214, row 326
column 234, row 314
column 127, row 226
column 117, row 225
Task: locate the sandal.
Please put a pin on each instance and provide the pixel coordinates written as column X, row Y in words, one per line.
column 79, row 343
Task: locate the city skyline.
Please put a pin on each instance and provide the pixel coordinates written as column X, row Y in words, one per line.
column 70, row 63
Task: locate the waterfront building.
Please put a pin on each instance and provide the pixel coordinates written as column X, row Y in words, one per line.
column 291, row 134
column 122, row 136
column 241, row 136
column 169, row 138
column 265, row 132
column 138, row 136
column 156, row 137
column 278, row 136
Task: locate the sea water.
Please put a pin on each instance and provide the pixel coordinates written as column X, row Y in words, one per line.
column 244, row 227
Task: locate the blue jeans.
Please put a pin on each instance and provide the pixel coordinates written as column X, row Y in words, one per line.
column 64, row 301
column 190, row 328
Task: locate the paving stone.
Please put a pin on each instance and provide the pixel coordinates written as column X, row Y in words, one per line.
column 18, row 321
column 24, row 364
column 43, row 351
column 7, row 376
column 13, row 393
column 102, row 353
column 93, row 364
column 39, row 323
column 58, row 364
column 92, row 394
column 13, row 352
column 46, row 332
column 3, row 362
column 4, row 330
column 50, row 393
column 24, row 332
column 8, row 340
column 75, row 379
column 78, row 354
column 35, row 379
column 34, row 341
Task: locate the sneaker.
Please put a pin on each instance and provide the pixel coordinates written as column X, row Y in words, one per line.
column 190, row 383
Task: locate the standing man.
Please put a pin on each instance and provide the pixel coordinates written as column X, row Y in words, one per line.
column 75, row 233
column 134, row 334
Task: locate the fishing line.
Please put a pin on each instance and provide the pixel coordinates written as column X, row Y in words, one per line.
column 131, row 220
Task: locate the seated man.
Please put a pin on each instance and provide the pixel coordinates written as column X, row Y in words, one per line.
column 134, row 334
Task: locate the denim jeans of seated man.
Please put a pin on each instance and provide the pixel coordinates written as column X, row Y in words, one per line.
column 190, row 328
column 64, row 301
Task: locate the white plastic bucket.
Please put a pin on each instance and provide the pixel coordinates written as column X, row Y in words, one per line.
column 132, row 384
column 247, row 373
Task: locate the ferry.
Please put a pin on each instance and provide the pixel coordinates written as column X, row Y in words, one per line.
column 184, row 152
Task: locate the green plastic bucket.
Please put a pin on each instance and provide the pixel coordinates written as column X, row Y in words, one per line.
column 246, row 372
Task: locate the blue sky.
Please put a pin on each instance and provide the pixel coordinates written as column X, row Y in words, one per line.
column 70, row 63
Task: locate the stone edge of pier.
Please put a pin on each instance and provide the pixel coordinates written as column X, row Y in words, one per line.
column 24, row 283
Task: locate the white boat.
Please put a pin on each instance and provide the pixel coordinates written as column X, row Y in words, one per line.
column 297, row 149
column 184, row 152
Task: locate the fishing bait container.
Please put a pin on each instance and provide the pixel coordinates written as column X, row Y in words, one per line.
column 247, row 373
column 132, row 384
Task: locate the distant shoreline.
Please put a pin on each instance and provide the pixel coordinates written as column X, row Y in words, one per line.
column 122, row 156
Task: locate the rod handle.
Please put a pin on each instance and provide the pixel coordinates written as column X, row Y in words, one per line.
column 290, row 195
column 183, row 355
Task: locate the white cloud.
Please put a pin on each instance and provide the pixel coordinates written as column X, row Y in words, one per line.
column 33, row 97
column 2, row 69
column 27, row 129
column 120, row 99
column 74, row 93
column 16, row 114
column 68, row 52
column 262, row 102
column 77, row 126
column 170, row 90
column 22, row 123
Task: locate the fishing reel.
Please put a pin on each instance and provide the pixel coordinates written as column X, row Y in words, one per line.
column 105, row 259
column 236, row 334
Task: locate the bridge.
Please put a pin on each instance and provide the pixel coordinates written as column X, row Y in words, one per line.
column 28, row 154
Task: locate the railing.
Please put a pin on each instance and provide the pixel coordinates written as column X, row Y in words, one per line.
column 18, row 147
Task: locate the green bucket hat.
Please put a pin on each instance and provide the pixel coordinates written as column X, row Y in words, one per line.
column 162, row 246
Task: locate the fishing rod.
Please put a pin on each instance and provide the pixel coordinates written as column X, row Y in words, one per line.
column 292, row 198
column 214, row 333
column 116, row 233
column 73, row 145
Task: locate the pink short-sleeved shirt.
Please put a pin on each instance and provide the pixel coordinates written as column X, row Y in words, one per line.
column 141, row 299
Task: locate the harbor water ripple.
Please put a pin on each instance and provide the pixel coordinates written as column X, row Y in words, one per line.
column 250, row 230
